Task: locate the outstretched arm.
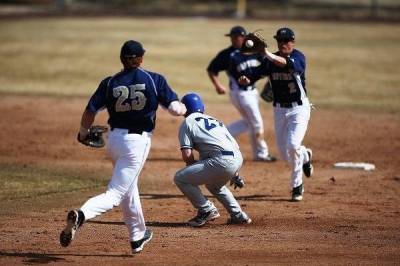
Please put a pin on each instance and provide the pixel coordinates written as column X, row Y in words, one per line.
column 276, row 59
column 177, row 108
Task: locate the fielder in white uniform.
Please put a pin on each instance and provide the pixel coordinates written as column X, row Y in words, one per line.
column 286, row 71
column 131, row 97
column 219, row 160
column 244, row 98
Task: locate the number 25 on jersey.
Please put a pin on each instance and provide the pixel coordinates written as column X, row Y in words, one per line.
column 137, row 97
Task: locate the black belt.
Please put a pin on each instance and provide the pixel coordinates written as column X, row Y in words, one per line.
column 131, row 131
column 288, row 105
column 247, row 88
column 227, row 153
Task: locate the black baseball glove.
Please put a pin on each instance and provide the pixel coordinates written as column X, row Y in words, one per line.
column 254, row 43
column 237, row 182
column 95, row 137
column 267, row 94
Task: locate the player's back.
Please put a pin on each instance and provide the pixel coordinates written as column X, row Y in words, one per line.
column 208, row 135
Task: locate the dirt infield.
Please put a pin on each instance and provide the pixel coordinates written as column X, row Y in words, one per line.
column 347, row 216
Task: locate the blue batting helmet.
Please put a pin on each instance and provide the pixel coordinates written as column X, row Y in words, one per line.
column 193, row 103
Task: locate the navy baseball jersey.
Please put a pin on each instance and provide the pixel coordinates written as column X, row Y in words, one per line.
column 247, row 65
column 131, row 98
column 288, row 83
column 222, row 60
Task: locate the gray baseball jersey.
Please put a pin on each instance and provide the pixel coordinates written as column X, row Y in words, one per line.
column 206, row 135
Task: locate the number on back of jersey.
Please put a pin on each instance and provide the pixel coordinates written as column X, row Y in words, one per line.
column 209, row 123
column 134, row 93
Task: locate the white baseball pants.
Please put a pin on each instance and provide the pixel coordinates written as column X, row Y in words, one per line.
column 128, row 153
column 290, row 129
column 247, row 103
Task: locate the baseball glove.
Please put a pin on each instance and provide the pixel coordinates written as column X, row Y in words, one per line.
column 267, row 94
column 254, row 43
column 237, row 182
column 95, row 137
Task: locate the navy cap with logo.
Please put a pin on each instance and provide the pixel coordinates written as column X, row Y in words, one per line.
column 132, row 49
column 237, row 30
column 285, row 35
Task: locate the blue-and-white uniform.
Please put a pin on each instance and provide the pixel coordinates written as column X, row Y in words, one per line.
column 244, row 98
column 131, row 98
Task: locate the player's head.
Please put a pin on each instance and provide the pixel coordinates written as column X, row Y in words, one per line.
column 132, row 54
column 193, row 103
column 237, row 34
column 285, row 38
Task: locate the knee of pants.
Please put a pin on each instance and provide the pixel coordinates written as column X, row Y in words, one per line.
column 115, row 196
column 293, row 151
column 178, row 178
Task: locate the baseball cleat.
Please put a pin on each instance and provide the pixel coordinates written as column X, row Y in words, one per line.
column 74, row 220
column 203, row 217
column 137, row 246
column 268, row 159
column 307, row 167
column 242, row 218
column 297, row 193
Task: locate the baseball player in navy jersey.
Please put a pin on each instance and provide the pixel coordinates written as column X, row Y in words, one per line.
column 219, row 160
column 131, row 97
column 286, row 71
column 244, row 98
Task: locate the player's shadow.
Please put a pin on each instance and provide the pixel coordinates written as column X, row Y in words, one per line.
column 154, row 223
column 254, row 197
column 43, row 258
column 164, row 159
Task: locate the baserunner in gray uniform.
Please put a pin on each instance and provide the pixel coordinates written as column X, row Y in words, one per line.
column 219, row 160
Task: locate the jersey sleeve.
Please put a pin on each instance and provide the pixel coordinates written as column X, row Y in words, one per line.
column 98, row 99
column 185, row 139
column 220, row 62
column 164, row 93
column 296, row 62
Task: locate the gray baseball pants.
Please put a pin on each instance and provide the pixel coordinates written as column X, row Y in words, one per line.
column 214, row 173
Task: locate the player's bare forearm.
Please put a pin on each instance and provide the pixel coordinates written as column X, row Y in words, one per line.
column 218, row 86
column 87, row 119
column 276, row 59
column 187, row 156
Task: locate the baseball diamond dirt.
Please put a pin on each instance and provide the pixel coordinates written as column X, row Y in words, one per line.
column 347, row 217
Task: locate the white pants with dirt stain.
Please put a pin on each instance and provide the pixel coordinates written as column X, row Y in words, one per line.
column 128, row 153
column 247, row 103
column 290, row 129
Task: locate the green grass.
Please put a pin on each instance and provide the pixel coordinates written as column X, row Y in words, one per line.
column 29, row 182
column 350, row 65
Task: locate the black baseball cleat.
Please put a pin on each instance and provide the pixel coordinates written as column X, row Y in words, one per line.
column 137, row 246
column 241, row 218
column 203, row 217
column 307, row 167
column 268, row 159
column 75, row 219
column 297, row 193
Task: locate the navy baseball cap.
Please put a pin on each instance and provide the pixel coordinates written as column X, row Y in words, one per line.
column 284, row 34
column 237, row 30
column 132, row 48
